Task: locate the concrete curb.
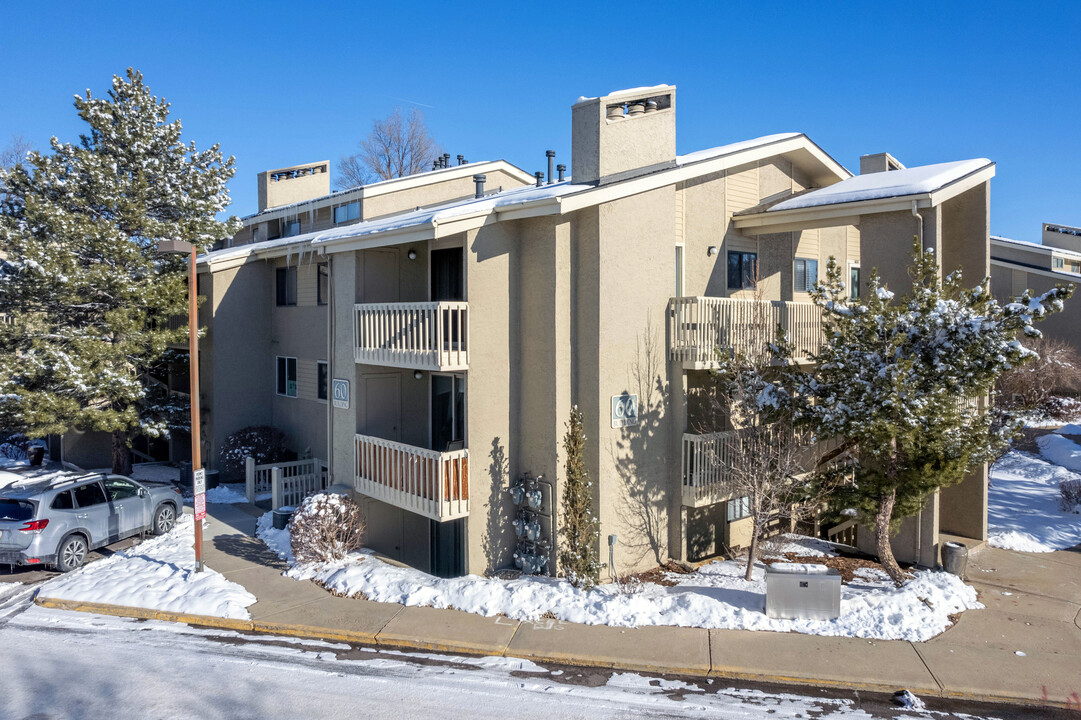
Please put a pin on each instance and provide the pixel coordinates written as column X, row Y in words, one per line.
column 569, row 659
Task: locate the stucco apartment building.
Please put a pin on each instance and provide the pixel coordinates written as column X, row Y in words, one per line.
column 1017, row 265
column 458, row 315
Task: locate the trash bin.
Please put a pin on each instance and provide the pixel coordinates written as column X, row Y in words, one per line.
column 211, row 479
column 803, row 591
column 36, row 454
column 955, row 558
column 281, row 517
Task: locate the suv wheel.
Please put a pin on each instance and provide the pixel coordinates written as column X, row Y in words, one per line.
column 71, row 554
column 164, row 519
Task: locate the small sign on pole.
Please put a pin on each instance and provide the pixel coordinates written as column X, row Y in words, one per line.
column 200, row 507
column 341, row 393
column 624, row 410
column 198, row 479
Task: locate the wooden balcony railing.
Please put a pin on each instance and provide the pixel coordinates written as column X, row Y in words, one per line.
column 701, row 326
column 425, row 336
column 426, row 482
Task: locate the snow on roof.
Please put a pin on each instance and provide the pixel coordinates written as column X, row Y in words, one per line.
column 643, row 91
column 1038, row 247
column 368, row 187
column 735, row 147
column 894, row 183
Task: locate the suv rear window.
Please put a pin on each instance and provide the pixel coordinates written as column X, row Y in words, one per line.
column 16, row 510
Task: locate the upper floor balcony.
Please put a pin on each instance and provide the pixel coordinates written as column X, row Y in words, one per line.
column 700, row 327
column 430, row 336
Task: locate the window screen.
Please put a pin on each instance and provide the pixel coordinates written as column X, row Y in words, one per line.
column 322, row 392
column 805, row 275
column 323, row 284
column 742, row 270
column 739, row 508
column 854, row 282
column 287, row 376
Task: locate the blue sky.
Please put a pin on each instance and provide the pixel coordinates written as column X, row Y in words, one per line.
column 284, row 83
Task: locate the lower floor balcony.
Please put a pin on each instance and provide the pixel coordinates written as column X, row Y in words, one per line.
column 429, row 483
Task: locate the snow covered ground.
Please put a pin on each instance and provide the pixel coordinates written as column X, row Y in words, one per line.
column 716, row 596
column 90, row 666
column 157, row 574
column 1023, row 502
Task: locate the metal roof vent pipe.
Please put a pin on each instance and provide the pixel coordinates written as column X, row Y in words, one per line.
column 651, row 106
column 461, row 159
column 540, row 178
column 636, row 108
column 551, row 154
column 479, row 180
column 615, row 112
column 446, row 160
column 561, row 168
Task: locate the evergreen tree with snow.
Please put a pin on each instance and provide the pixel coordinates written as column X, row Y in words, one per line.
column 905, row 384
column 86, row 294
column 578, row 557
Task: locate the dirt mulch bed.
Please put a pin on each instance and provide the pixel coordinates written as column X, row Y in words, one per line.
column 848, row 565
column 659, row 575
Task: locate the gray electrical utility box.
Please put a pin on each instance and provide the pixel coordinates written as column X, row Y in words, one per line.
column 803, row 591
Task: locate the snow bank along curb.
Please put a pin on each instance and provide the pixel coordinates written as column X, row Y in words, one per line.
column 157, row 574
column 715, row 597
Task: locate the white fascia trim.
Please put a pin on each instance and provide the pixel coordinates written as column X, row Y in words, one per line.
column 1061, row 276
column 617, row 191
column 821, row 213
column 960, row 185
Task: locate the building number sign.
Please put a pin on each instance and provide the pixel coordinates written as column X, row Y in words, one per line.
column 341, row 393
column 624, row 410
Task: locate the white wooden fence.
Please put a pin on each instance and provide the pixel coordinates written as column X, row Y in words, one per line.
column 288, row 482
column 427, row 482
column 701, row 326
column 426, row 335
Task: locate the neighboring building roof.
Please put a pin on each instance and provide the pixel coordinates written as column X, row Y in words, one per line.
column 449, row 218
column 892, row 184
column 1036, row 247
column 393, row 185
column 1047, row 251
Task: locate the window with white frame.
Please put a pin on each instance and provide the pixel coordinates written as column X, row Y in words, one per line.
column 323, row 369
column 286, row 286
column 853, row 282
column 739, row 508
column 345, row 213
column 679, row 271
column 742, row 270
column 1057, row 263
column 805, row 275
column 287, row 376
column 322, row 288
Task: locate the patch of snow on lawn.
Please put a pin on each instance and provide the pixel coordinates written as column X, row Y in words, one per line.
column 716, row 596
column 1060, row 451
column 157, row 574
column 1023, row 505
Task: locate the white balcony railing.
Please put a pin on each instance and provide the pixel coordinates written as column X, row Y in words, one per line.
column 706, row 458
column 426, row 482
column 702, row 326
column 425, row 336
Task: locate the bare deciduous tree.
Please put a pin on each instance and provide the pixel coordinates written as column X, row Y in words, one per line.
column 15, row 151
column 1029, row 386
column 398, row 145
column 765, row 459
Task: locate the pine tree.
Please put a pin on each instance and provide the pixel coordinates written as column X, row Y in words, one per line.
column 900, row 382
column 86, row 294
column 578, row 558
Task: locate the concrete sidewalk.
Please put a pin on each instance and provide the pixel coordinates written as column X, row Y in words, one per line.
column 1025, row 647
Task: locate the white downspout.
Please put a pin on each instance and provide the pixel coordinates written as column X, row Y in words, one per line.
column 916, row 214
column 330, row 364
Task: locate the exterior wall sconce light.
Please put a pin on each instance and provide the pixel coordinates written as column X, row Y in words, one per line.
column 713, row 250
column 417, row 374
column 412, row 254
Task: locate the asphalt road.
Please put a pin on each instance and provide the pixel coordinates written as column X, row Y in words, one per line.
column 59, row 664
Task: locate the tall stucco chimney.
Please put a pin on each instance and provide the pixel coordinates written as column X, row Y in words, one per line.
column 614, row 137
